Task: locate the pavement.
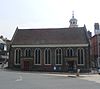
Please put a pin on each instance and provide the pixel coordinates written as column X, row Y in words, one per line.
column 44, row 80
column 92, row 76
column 95, row 77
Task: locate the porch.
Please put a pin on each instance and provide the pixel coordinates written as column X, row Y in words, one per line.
column 71, row 63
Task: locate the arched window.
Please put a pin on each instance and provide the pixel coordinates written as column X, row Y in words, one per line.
column 47, row 56
column 27, row 53
column 17, row 56
column 58, row 55
column 73, row 22
column 80, row 53
column 37, row 56
column 69, row 52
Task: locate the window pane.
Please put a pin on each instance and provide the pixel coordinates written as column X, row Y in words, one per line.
column 68, row 53
column 27, row 53
column 81, row 56
column 71, row 52
column 18, row 55
column 48, row 56
column 59, row 59
column 38, row 56
column 58, row 56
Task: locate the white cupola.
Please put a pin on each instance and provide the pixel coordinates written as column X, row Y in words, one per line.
column 73, row 21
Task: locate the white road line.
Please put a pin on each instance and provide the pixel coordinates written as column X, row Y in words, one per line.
column 19, row 78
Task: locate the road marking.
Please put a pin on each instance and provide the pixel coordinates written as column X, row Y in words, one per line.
column 19, row 78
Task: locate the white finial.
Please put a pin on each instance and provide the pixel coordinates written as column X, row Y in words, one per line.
column 72, row 14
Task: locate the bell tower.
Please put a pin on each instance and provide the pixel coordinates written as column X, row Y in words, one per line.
column 73, row 21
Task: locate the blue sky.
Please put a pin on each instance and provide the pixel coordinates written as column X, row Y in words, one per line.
column 46, row 13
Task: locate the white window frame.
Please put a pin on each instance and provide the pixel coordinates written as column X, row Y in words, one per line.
column 80, row 56
column 15, row 56
column 56, row 55
column 35, row 56
column 47, row 56
column 69, row 52
column 27, row 49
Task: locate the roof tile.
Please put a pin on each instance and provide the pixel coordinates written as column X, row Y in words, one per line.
column 50, row 36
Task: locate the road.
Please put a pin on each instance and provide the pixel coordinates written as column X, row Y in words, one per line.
column 37, row 80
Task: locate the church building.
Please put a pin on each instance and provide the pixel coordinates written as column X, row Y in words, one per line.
column 51, row 49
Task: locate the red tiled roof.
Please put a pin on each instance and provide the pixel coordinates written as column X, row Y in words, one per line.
column 50, row 36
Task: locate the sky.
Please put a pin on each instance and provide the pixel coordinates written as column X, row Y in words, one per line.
column 46, row 14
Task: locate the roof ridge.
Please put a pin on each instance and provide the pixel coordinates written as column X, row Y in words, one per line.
column 48, row 28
